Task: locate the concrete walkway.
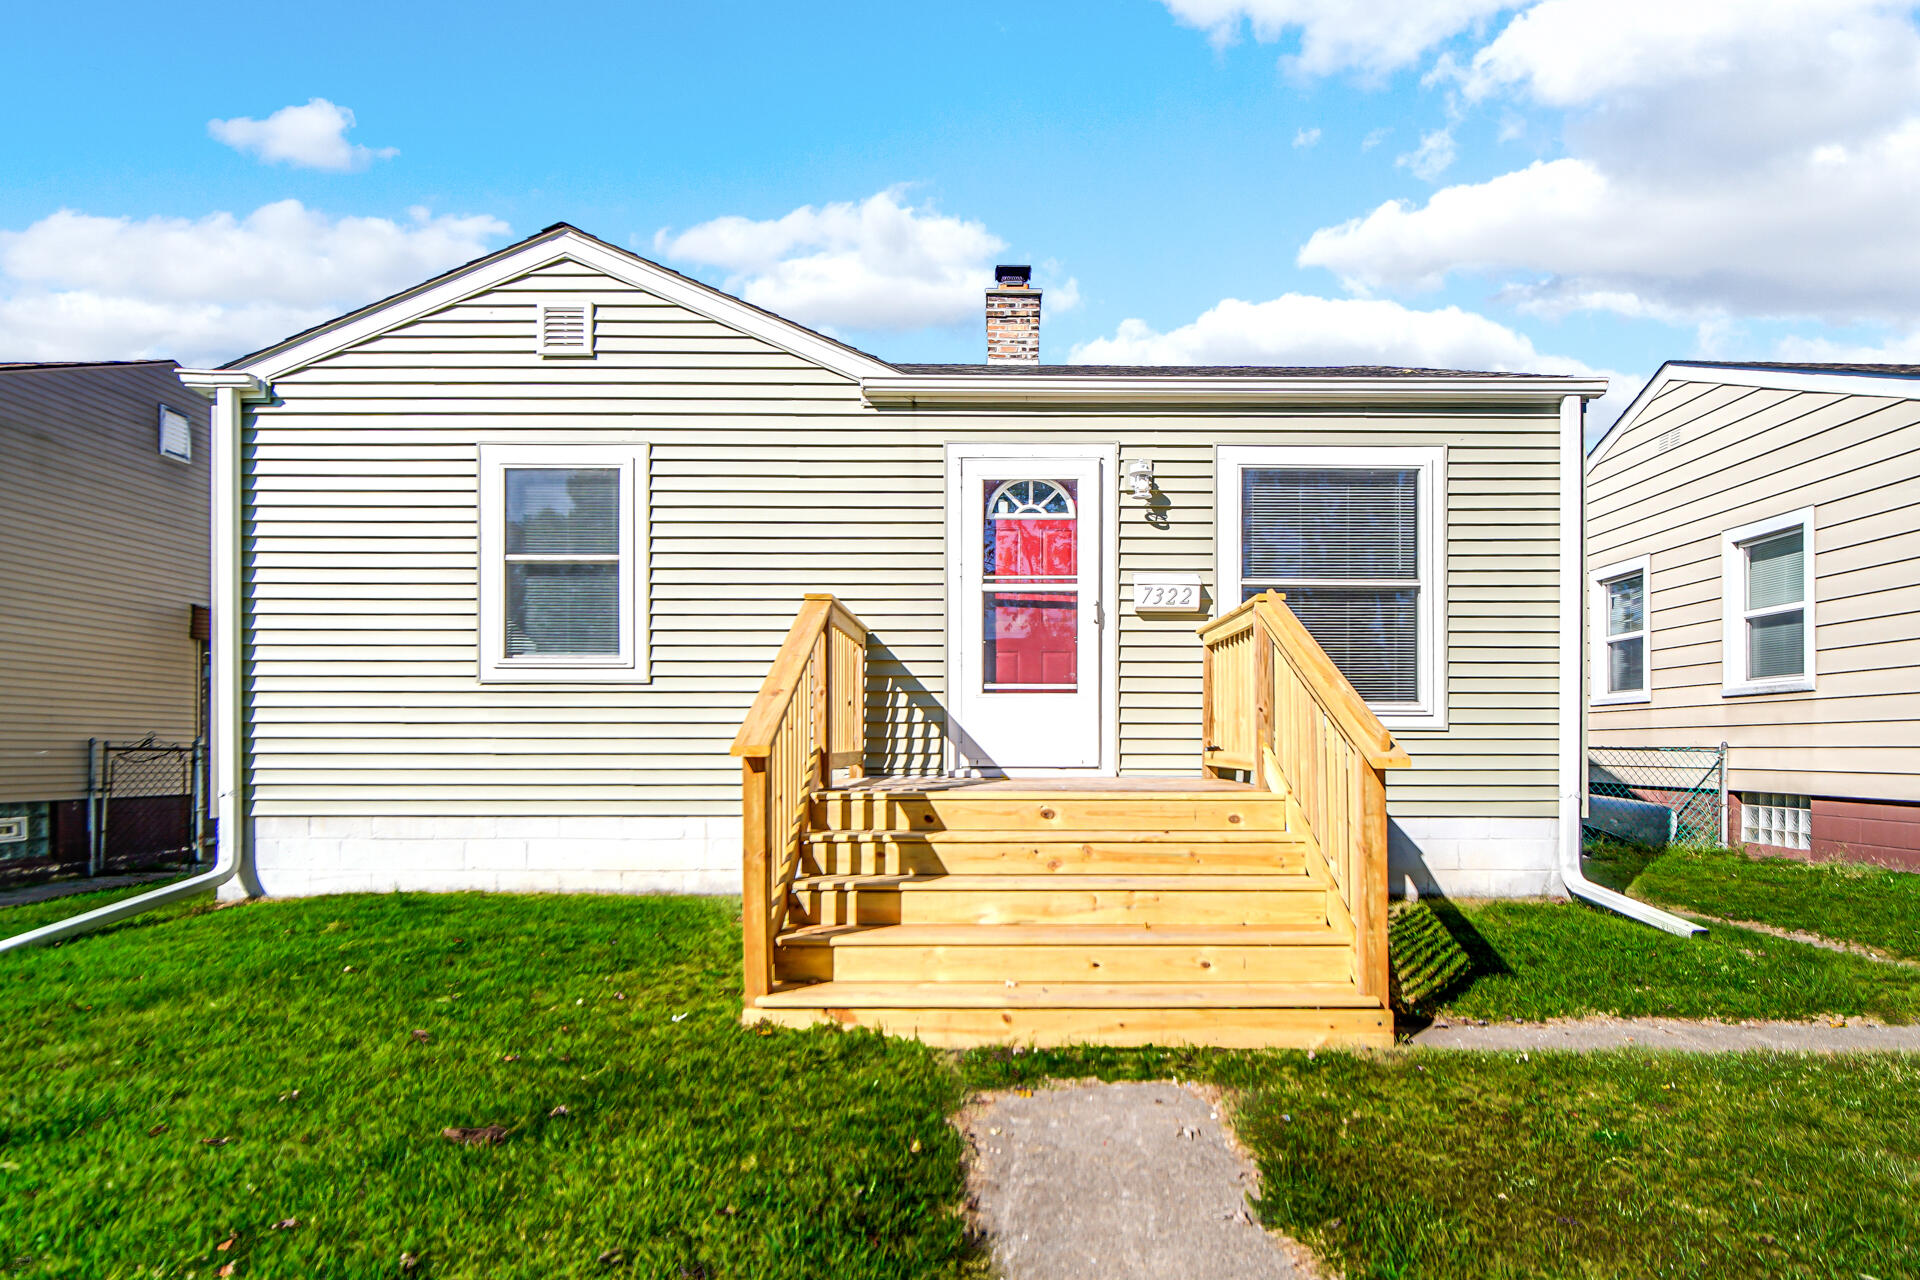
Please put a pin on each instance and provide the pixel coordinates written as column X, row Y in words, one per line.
column 1109, row 1181
column 1851, row 1035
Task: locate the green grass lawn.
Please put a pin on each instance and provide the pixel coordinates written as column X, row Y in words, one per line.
column 32, row 915
column 174, row 1085
column 208, row 1075
column 1436, row 1164
column 1534, row 960
column 1844, row 901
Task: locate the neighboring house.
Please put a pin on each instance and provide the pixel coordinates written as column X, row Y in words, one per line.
column 1754, row 564
column 521, row 543
column 103, row 560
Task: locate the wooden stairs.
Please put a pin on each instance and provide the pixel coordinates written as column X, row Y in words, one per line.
column 1136, row 911
column 1245, row 907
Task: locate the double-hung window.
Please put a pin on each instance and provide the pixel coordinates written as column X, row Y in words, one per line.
column 1621, row 606
column 562, row 562
column 1351, row 537
column 1766, row 572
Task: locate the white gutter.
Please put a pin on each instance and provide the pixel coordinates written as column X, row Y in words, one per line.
column 1573, row 693
column 942, row 389
column 231, row 855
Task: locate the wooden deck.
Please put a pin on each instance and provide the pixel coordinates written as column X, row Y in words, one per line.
column 1142, row 910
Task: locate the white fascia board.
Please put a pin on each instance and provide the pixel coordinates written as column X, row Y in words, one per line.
column 906, row 390
column 1898, row 386
column 208, row 381
column 567, row 246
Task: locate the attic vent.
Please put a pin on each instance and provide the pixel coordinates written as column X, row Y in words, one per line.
column 1669, row 439
column 566, row 329
column 176, row 435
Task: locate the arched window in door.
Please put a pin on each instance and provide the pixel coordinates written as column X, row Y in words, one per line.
column 1031, row 578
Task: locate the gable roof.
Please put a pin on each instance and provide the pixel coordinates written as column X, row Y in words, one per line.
column 27, row 366
column 880, row 381
column 559, row 241
column 1898, row 380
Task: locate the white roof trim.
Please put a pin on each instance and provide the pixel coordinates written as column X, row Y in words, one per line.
column 1898, row 386
column 911, row 389
column 568, row 245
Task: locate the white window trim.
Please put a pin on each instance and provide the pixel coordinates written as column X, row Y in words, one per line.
column 630, row 665
column 1597, row 655
column 540, row 328
column 1431, row 628
column 1733, row 606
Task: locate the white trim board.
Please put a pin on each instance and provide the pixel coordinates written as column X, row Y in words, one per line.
column 1897, row 386
column 1108, row 456
column 564, row 245
column 1734, row 682
column 630, row 665
column 1432, row 461
column 1598, row 667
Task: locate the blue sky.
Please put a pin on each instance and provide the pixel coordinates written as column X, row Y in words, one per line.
column 1565, row 184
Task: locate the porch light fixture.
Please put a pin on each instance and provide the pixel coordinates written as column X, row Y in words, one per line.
column 1140, row 477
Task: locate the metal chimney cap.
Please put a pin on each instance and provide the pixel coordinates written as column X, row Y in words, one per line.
column 1012, row 276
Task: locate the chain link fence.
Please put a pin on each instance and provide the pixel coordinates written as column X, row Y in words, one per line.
column 1658, row 795
column 147, row 806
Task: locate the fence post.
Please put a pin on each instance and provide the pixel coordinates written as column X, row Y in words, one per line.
column 1726, row 818
column 93, row 804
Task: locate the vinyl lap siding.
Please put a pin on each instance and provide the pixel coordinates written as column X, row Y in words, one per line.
column 1742, row 454
column 103, row 549
column 769, row 478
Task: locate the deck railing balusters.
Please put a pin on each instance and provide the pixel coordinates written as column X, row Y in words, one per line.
column 1273, row 701
column 807, row 721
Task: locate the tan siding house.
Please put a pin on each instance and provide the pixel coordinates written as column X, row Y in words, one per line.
column 103, row 554
column 1755, row 528
column 405, row 725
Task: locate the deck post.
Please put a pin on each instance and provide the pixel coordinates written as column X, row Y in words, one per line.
column 822, row 667
column 1206, row 711
column 756, row 911
column 1370, row 898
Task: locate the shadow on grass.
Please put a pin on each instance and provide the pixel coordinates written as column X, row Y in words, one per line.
column 1483, row 961
column 1612, row 863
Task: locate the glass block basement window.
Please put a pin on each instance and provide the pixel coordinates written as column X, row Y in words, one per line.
column 1783, row 822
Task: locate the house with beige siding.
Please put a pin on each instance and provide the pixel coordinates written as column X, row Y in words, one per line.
column 563, row 571
column 103, row 561
column 1755, row 580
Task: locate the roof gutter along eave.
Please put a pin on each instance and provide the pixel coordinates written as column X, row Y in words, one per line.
column 931, row 390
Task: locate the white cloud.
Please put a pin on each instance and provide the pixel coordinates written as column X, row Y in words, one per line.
column 308, row 137
column 1375, row 137
column 1725, row 157
column 1300, row 329
column 880, row 264
column 1306, row 137
column 1339, row 35
column 1431, row 158
column 77, row 286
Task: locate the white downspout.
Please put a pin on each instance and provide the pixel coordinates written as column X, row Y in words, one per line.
column 1573, row 693
column 225, row 726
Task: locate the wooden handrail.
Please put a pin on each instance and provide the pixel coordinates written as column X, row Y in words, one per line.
column 808, row 719
column 1276, row 707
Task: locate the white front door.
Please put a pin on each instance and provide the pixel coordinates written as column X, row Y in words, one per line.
column 1027, row 545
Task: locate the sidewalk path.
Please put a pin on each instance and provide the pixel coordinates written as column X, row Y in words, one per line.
column 1110, row 1181
column 67, row 888
column 1853, row 1035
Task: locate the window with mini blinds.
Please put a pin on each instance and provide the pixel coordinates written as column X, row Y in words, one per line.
column 561, row 572
column 1349, row 537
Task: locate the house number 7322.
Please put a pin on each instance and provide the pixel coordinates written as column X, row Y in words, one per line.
column 1169, row 593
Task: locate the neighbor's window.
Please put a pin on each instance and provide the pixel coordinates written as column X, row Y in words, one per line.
column 1348, row 535
column 1767, row 582
column 1784, row 822
column 1620, row 611
column 560, row 577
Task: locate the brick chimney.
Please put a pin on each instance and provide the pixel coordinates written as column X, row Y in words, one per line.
column 1013, row 316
